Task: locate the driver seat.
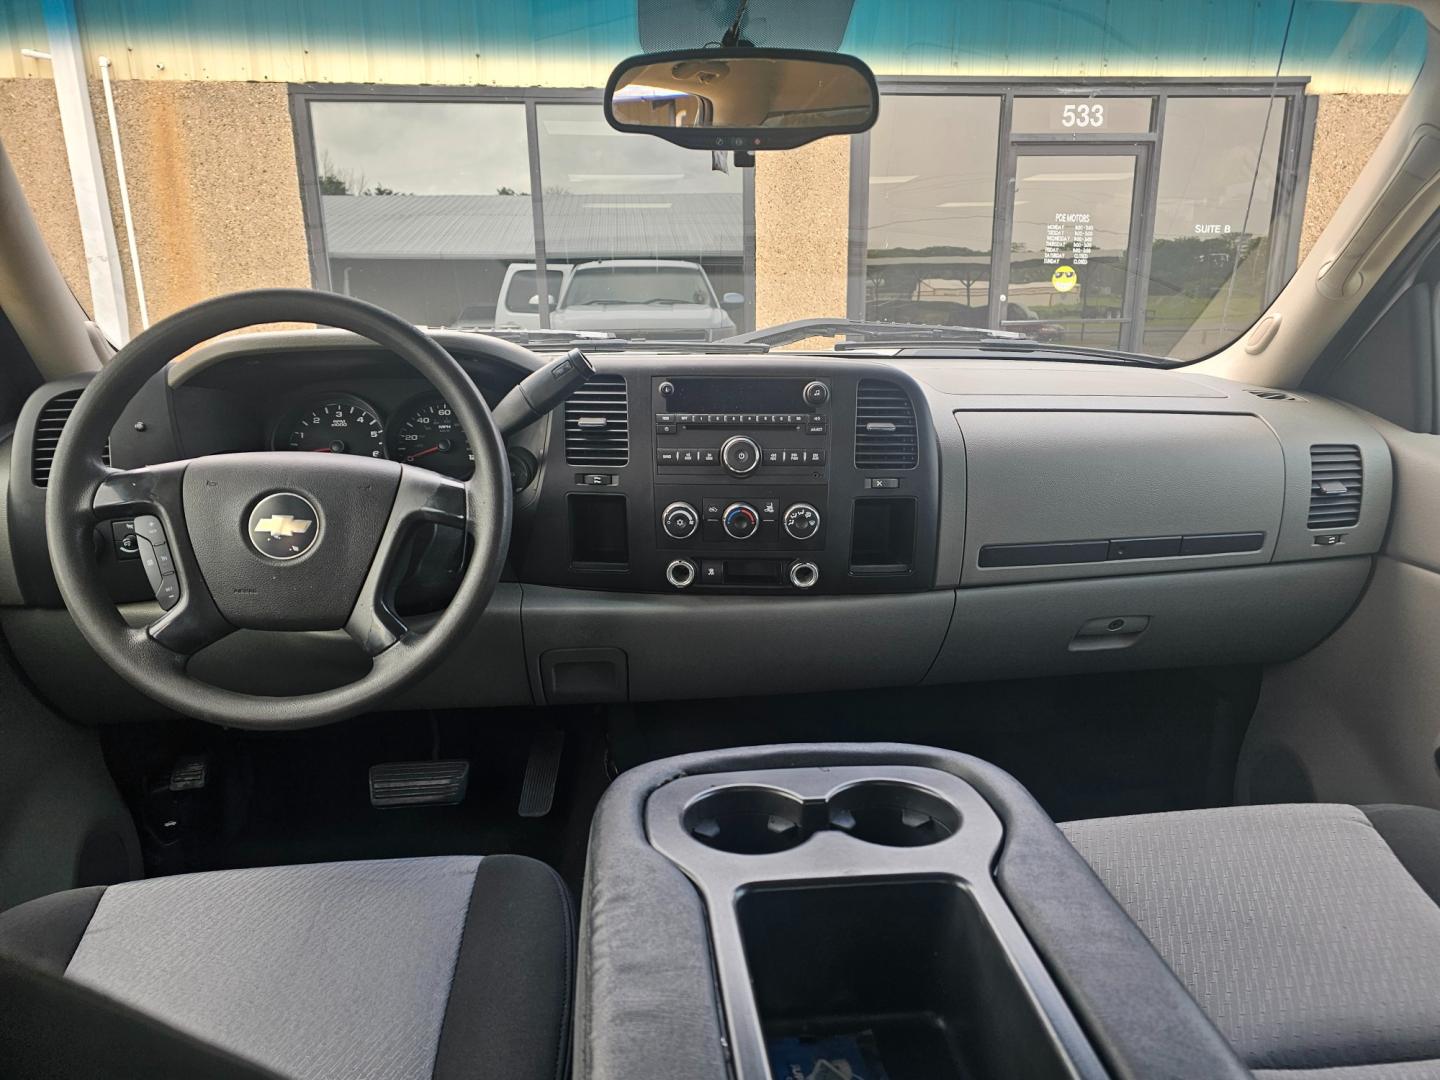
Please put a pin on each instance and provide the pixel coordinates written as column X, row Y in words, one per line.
column 445, row 967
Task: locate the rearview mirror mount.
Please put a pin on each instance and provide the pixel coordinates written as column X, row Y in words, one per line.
column 742, row 99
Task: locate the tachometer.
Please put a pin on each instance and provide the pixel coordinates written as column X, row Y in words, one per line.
column 337, row 425
column 426, row 433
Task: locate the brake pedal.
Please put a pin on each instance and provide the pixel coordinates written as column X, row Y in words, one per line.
column 542, row 771
column 418, row 783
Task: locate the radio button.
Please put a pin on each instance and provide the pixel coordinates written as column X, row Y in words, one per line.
column 709, row 457
column 740, row 455
column 665, row 457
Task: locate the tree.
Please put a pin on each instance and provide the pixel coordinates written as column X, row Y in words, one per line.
column 331, row 181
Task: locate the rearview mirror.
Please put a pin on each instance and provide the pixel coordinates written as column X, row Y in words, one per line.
column 742, row 99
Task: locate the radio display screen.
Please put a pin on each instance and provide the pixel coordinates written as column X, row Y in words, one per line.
column 733, row 395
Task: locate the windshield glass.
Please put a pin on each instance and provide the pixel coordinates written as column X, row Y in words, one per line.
column 1078, row 175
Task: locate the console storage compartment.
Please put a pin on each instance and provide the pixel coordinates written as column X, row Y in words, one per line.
column 912, row 963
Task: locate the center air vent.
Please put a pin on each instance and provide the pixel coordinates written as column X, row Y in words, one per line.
column 597, row 423
column 885, row 435
column 1336, row 476
column 48, row 426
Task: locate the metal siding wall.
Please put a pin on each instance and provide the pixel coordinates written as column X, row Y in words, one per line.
column 1343, row 48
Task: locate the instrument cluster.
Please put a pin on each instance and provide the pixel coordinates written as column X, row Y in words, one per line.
column 423, row 431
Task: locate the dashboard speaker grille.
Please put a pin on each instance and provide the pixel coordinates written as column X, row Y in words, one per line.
column 48, row 426
column 885, row 436
column 597, row 423
column 1336, row 484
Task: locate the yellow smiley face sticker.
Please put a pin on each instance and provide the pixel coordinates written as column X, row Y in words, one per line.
column 1064, row 278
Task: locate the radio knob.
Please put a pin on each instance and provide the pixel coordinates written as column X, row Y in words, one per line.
column 802, row 521
column 679, row 520
column 816, row 393
column 740, row 454
column 740, row 521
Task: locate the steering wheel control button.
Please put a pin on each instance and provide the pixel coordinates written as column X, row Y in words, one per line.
column 802, row 521
column 282, row 526
column 680, row 520
column 740, row 455
column 816, row 393
column 127, row 542
column 741, row 521
column 148, row 526
column 167, row 594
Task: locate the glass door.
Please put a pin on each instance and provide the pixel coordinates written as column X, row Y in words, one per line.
column 1068, row 270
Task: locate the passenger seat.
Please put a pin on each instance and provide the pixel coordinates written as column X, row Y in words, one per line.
column 1309, row 933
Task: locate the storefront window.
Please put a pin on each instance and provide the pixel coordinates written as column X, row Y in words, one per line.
column 1211, row 260
column 648, row 237
column 423, row 203
column 931, row 209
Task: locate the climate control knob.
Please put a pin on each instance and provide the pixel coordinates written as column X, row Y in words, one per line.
column 679, row 520
column 741, row 521
column 740, row 454
column 802, row 521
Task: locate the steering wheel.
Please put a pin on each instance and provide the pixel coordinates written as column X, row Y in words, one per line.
column 271, row 541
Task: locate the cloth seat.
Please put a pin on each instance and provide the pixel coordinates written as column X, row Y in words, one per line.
column 1309, row 933
column 449, row 967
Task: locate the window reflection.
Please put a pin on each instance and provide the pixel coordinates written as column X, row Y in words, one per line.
column 1210, row 260
column 932, row 209
column 423, row 204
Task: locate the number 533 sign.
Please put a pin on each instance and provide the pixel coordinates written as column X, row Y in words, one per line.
column 1086, row 114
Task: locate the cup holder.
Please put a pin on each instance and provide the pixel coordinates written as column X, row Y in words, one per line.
column 747, row 820
column 893, row 814
column 762, row 821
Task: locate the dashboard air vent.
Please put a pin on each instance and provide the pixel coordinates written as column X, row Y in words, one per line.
column 885, row 436
column 48, row 426
column 1272, row 395
column 1336, row 476
column 597, row 423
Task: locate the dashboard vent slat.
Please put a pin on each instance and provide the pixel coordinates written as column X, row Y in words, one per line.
column 885, row 432
column 46, row 436
column 597, row 423
column 1336, row 486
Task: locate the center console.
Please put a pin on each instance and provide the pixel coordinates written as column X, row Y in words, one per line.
column 895, row 910
column 769, row 477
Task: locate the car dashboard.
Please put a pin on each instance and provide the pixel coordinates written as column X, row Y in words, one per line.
column 698, row 525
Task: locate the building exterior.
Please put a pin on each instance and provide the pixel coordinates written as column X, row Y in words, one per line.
column 1172, row 175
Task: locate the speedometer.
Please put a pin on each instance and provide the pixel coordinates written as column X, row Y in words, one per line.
column 426, row 433
column 338, row 425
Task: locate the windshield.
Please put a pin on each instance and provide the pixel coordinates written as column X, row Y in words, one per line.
column 1076, row 175
column 637, row 285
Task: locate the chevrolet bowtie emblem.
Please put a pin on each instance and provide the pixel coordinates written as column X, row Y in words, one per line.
column 284, row 526
column 281, row 526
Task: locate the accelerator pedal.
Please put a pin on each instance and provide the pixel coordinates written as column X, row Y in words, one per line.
column 542, row 770
column 418, row 783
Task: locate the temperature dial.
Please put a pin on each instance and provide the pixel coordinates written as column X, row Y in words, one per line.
column 802, row 521
column 740, row 520
column 679, row 520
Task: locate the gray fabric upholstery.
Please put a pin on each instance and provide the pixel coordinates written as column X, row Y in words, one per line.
column 1390, row 1070
column 1295, row 927
column 324, row 971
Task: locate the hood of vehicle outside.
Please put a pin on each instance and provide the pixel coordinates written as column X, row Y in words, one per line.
column 642, row 318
